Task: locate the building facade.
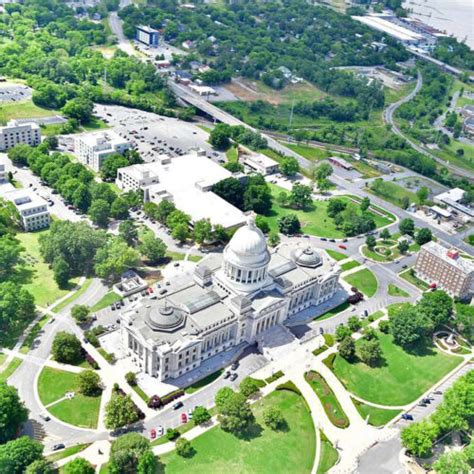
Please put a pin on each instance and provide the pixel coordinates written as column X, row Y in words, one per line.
column 147, row 36
column 230, row 300
column 15, row 133
column 445, row 269
column 92, row 149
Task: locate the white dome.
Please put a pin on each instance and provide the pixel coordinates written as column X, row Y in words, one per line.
column 248, row 241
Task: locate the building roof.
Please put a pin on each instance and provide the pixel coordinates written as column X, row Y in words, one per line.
column 18, row 124
column 23, row 199
column 381, row 24
column 463, row 264
column 108, row 137
column 442, row 212
column 455, row 194
column 146, row 29
column 260, row 159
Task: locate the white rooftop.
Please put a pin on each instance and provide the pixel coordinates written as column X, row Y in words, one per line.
column 455, row 194
column 463, row 264
column 260, row 159
column 99, row 138
column 397, row 31
column 23, row 199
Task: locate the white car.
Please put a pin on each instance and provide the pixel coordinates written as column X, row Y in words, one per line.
column 160, row 431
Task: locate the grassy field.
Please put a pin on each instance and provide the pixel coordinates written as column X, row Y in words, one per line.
column 400, row 378
column 393, row 193
column 338, row 256
column 10, row 369
column 36, row 275
column 333, row 312
column 394, row 290
column 108, row 299
column 203, row 382
column 364, row 280
column 21, row 110
column 328, row 455
column 33, row 334
column 377, row 416
column 349, row 265
column 65, row 453
column 413, row 279
column 79, row 411
column 73, row 297
column 329, row 401
column 262, row 451
column 309, row 152
column 314, row 221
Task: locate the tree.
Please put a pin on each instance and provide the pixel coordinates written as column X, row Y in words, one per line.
column 347, row 348
column 40, row 466
column 369, row 351
column 111, row 164
column 184, row 448
column 235, row 414
column 273, row 418
column 323, row 171
column 423, row 194
column 403, row 246
column 128, row 231
column 99, row 212
column 249, row 386
column 365, row 204
column 407, row 325
column 354, row 323
column 12, row 412
column 126, row 453
column 405, row 202
column 385, row 234
column 342, row 332
column 89, row 383
column 437, row 306
column 371, row 242
column 202, row 231
column 335, row 206
column 62, row 272
column 273, row 239
column 10, row 255
column 153, row 248
column 262, row 224
column 418, row 437
column 289, row 224
column 180, row 232
column 19, row 453
column 51, row 142
column 147, row 463
column 163, row 210
column 131, row 378
column 289, row 166
column 423, row 236
column 114, row 258
column 201, row 415
column 219, row 137
column 452, row 462
column 17, row 306
column 119, row 209
column 66, row 348
column 300, row 196
column 19, row 154
column 407, row 226
column 79, row 108
column 258, row 198
column 231, row 190
column 78, row 466
column 120, row 411
column 80, row 313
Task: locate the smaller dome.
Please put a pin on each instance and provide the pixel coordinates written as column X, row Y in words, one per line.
column 307, row 257
column 164, row 318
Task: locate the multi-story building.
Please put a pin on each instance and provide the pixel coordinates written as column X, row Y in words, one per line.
column 446, row 269
column 15, row 132
column 147, row 35
column 92, row 149
column 32, row 209
column 3, row 174
column 186, row 181
column 232, row 299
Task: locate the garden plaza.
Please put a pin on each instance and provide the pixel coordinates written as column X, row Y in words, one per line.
column 229, row 300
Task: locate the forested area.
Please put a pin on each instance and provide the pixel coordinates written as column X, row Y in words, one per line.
column 45, row 44
column 449, row 50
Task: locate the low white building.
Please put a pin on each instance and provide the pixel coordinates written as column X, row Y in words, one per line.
column 32, row 209
column 452, row 200
column 260, row 163
column 92, row 149
column 14, row 133
column 186, row 181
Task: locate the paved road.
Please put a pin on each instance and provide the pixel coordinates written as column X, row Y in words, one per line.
column 388, row 118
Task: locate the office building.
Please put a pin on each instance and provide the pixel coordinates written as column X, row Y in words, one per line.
column 147, row 36
column 14, row 133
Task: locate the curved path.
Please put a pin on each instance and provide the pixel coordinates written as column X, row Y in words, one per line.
column 388, row 118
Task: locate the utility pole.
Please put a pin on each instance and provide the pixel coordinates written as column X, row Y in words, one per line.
column 290, row 121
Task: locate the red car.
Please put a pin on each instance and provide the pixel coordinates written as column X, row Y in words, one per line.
column 153, row 433
column 184, row 418
column 342, row 247
column 150, row 290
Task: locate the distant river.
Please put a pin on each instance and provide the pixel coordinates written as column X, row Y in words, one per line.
column 455, row 17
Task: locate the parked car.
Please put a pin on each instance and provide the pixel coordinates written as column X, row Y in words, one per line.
column 184, row 418
column 234, row 366
column 407, row 416
column 177, row 405
column 343, row 247
column 153, row 433
column 227, row 375
column 160, row 431
column 58, row 446
column 233, row 377
column 45, row 417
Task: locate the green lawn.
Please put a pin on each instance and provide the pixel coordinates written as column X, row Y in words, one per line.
column 33, row 334
column 36, row 275
column 65, row 453
column 21, row 110
column 413, row 279
column 401, row 376
column 3, row 358
column 364, row 280
column 108, row 299
column 338, row 256
column 263, row 451
column 377, row 416
column 232, row 154
column 314, row 221
column 328, row 456
column 333, row 312
column 329, row 401
column 371, row 318
column 10, row 369
column 394, row 193
column 394, row 290
column 309, row 152
column 74, row 296
column 349, row 265
column 79, row 411
column 203, row 382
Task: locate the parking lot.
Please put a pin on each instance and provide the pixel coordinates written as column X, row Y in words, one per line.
column 11, row 92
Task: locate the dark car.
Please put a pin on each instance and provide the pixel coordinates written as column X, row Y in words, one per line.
column 421, row 404
column 112, row 307
column 332, row 240
column 324, row 238
column 227, row 375
column 178, row 405
column 233, row 377
column 58, row 446
column 407, row 416
column 234, row 365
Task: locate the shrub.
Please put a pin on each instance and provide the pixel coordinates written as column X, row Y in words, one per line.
column 89, row 383
column 184, row 448
column 131, row 378
column 384, row 326
column 329, row 361
column 290, row 386
column 273, row 418
column 172, row 434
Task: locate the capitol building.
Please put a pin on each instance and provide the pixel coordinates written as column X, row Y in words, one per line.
column 231, row 299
